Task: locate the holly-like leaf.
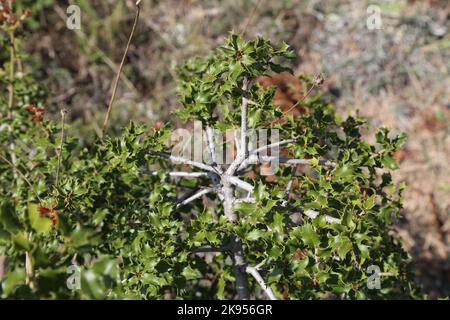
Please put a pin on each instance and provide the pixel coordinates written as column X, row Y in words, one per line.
column 40, row 224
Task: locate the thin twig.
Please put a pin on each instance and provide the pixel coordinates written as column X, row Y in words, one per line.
column 318, row 80
column 182, row 174
column 179, row 160
column 250, row 17
column 244, row 121
column 11, row 98
column 211, row 249
column 284, row 160
column 11, row 78
column 61, row 144
column 272, row 145
column 116, row 81
column 255, row 273
column 287, row 192
column 254, row 159
column 244, row 164
column 245, row 200
column 13, row 166
column 195, row 197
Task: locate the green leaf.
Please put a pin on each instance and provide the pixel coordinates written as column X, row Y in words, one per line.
column 369, row 203
column 345, row 172
column 21, row 242
column 342, row 245
column 190, row 273
column 8, row 218
column 245, row 207
column 221, row 288
column 38, row 223
column 389, row 162
column 91, row 284
column 12, row 279
column 309, row 236
column 254, row 235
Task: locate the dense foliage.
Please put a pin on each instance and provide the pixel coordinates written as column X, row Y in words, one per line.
column 111, row 207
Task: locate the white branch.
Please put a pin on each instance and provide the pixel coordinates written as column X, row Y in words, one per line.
column 313, row 214
column 194, row 197
column 305, row 161
column 187, row 174
column 289, row 187
column 253, row 156
column 179, row 160
column 255, row 159
column 244, row 123
column 254, row 272
column 245, row 200
column 273, row 145
column 211, row 144
column 242, row 154
column 241, row 184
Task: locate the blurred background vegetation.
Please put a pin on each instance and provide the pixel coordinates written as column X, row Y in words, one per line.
column 397, row 76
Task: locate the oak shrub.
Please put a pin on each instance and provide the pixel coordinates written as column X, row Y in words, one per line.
column 113, row 210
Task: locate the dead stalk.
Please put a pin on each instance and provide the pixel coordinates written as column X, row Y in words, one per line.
column 116, row 81
column 11, row 97
column 61, row 144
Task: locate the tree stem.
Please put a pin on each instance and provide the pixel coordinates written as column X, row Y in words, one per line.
column 239, row 264
column 240, row 267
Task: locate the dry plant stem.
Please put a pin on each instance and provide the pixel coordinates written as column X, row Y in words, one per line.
column 116, row 81
column 16, row 57
column 11, row 79
column 29, row 280
column 301, row 100
column 61, row 143
column 13, row 166
column 11, row 98
column 250, row 18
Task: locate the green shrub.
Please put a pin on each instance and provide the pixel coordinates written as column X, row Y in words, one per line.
column 114, row 209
